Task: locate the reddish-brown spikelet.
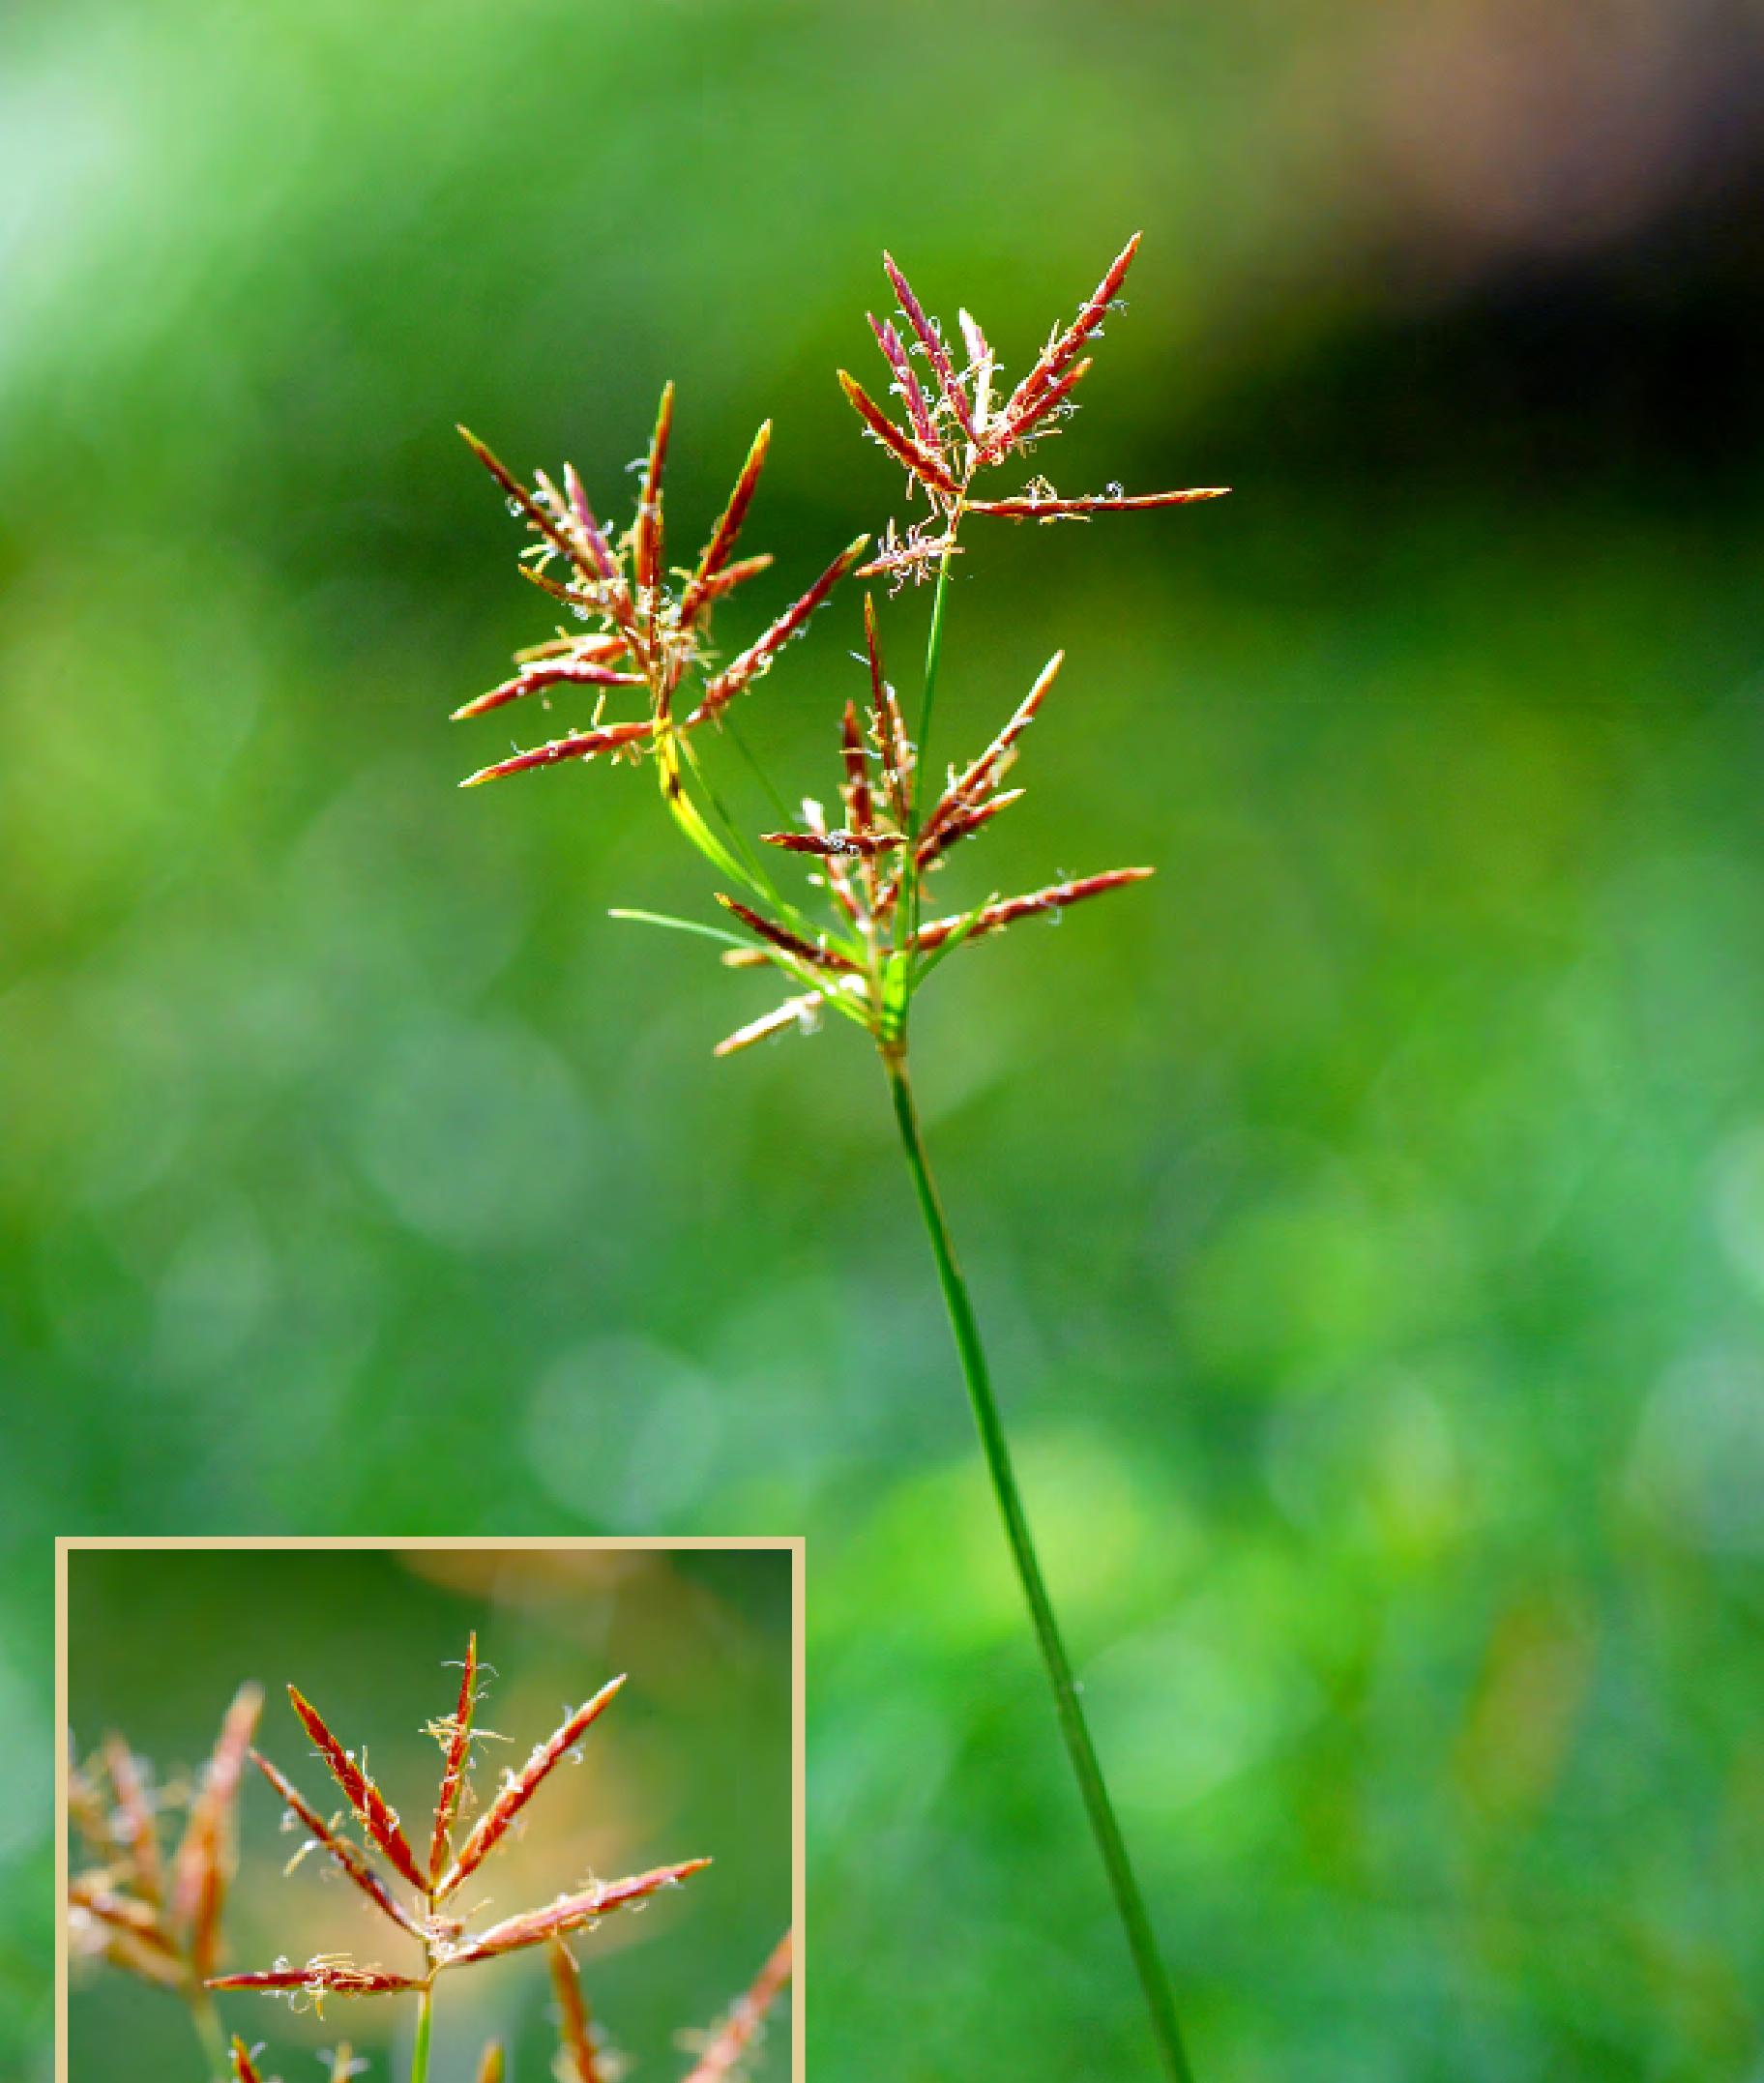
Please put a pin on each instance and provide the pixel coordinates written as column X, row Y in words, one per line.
column 720, row 549
column 1027, row 506
column 580, row 2063
column 931, row 342
column 492, row 1825
column 122, row 1913
column 579, row 744
column 333, row 1977
column 983, row 772
column 783, row 938
column 1044, row 402
column 134, row 1811
column 544, row 522
column 832, row 845
column 918, row 411
column 562, row 672
column 961, row 824
column 891, row 725
column 1058, row 353
column 202, row 1861
column 792, row 1013
column 491, row 2065
column 205, row 1932
column 340, row 1849
column 922, row 463
column 244, row 2070
column 601, row 648
column 601, row 558
column 365, row 1799
column 646, row 540
column 732, row 2039
column 734, row 677
column 90, row 1815
column 859, row 803
column 453, row 1768
column 1055, row 897
column 533, row 1928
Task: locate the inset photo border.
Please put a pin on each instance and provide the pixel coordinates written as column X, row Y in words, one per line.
column 471, row 1811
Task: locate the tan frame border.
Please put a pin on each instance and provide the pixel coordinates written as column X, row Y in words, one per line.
column 794, row 1546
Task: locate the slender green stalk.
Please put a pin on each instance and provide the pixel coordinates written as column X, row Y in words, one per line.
column 213, row 2041
column 934, row 660
column 419, row 2052
column 1130, row 1904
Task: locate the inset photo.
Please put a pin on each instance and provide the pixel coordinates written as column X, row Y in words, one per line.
column 445, row 1811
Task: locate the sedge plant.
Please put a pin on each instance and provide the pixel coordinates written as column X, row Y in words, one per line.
column 860, row 938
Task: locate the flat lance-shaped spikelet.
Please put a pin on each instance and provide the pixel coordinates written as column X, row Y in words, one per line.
column 1038, row 902
column 135, row 1813
column 454, row 1761
column 722, row 546
column 202, row 1862
column 860, row 803
column 521, row 1788
column 922, row 463
column 1056, row 355
column 365, row 1799
column 602, row 650
column 1027, row 506
column 897, row 749
column 579, row 744
column 646, row 539
column 602, row 560
column 121, row 1913
column 493, row 2065
column 1042, row 404
column 580, row 2061
column 758, row 656
column 734, row 2037
column 561, row 673
column 244, row 2070
column 932, row 343
column 340, row 1849
column 533, row 1928
column 322, row 1978
column 544, row 522
column 906, row 381
column 962, row 824
column 983, row 772
column 793, row 1012
column 713, row 589
column 783, row 939
column 834, row 846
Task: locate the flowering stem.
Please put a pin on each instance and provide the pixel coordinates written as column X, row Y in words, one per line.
column 208, row 2029
column 1130, row 1904
column 419, row 2052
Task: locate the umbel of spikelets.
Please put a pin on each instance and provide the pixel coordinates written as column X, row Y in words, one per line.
column 954, row 419
column 645, row 626
column 156, row 1917
column 870, row 865
column 582, row 2056
column 411, row 1891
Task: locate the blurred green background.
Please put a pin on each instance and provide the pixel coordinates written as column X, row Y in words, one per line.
column 1368, row 1215
column 693, row 1757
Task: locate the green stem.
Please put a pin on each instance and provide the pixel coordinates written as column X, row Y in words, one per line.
column 933, row 658
column 1130, row 1904
column 419, row 2052
column 213, row 2041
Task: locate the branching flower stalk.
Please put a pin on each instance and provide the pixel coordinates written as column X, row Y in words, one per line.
column 875, row 944
column 381, row 1860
